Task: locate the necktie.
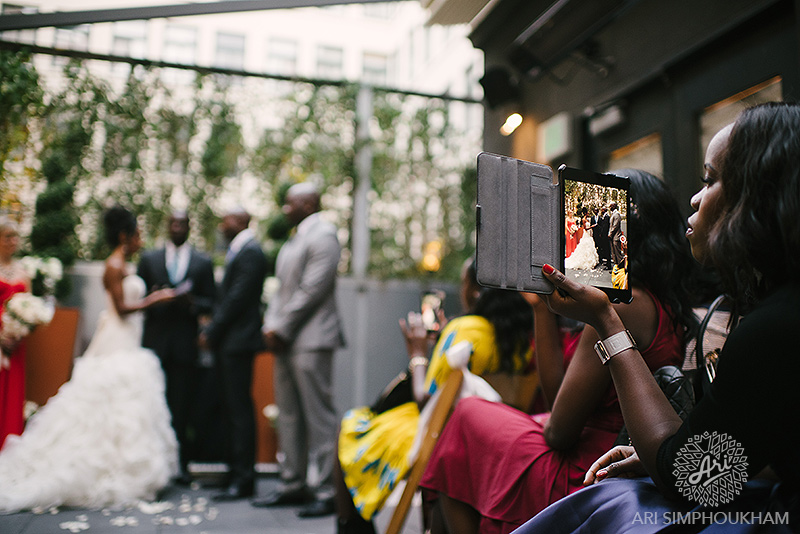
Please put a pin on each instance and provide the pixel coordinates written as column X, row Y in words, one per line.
column 172, row 269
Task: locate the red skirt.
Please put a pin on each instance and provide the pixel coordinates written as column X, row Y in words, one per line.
column 495, row 459
column 12, row 395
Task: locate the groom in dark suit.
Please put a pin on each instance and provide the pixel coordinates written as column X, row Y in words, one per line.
column 234, row 335
column 171, row 330
column 601, row 240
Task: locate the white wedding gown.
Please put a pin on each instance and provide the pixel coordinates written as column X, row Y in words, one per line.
column 105, row 438
column 584, row 256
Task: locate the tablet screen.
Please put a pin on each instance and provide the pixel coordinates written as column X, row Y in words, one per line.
column 596, row 245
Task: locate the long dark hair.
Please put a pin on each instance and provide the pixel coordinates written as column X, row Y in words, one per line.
column 512, row 318
column 755, row 241
column 118, row 220
column 659, row 254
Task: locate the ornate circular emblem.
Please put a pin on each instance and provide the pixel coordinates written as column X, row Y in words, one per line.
column 711, row 469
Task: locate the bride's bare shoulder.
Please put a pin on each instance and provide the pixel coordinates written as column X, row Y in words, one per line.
column 114, row 269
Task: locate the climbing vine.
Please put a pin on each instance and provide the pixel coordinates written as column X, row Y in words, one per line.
column 153, row 146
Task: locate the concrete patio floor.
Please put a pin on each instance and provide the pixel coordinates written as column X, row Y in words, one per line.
column 190, row 510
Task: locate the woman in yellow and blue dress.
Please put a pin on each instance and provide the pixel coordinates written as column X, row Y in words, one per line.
column 374, row 448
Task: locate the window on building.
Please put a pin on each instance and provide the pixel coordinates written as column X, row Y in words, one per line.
column 719, row 115
column 180, row 44
column 282, row 56
column 230, row 51
column 18, row 36
column 130, row 39
column 330, row 62
column 645, row 154
column 375, row 69
column 72, row 37
column 381, row 10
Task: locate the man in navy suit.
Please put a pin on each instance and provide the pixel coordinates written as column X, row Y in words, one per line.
column 171, row 330
column 234, row 335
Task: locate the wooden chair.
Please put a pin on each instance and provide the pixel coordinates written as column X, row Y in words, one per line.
column 439, row 416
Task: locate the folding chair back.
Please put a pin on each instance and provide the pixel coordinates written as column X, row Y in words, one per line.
column 441, row 412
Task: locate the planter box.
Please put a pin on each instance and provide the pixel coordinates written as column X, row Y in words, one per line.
column 263, row 394
column 49, row 356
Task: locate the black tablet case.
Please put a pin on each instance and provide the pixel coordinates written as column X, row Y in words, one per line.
column 508, row 189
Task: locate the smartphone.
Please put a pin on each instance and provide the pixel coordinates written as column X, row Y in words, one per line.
column 526, row 216
column 431, row 303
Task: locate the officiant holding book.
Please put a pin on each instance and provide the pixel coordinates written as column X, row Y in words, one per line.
column 171, row 330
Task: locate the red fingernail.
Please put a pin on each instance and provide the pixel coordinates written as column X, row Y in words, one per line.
column 547, row 268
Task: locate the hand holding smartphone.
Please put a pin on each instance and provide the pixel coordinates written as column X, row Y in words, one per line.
column 431, row 303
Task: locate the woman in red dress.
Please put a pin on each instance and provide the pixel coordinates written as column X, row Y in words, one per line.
column 570, row 227
column 12, row 351
column 495, row 467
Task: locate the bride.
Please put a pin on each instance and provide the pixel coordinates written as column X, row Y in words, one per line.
column 585, row 255
column 105, row 438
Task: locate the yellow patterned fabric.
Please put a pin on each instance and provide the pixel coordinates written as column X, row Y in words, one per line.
column 373, row 448
column 619, row 278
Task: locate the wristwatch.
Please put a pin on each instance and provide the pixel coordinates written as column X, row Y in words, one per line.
column 613, row 345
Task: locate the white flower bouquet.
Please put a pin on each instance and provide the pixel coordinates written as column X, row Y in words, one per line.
column 23, row 312
column 44, row 273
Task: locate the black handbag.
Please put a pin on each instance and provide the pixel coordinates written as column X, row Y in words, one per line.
column 709, row 346
column 679, row 392
column 397, row 392
column 684, row 390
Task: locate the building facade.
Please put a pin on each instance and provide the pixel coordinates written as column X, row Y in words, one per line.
column 627, row 83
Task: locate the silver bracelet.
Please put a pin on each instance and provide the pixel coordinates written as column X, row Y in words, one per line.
column 613, row 345
column 417, row 360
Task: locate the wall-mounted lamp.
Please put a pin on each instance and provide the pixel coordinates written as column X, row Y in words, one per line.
column 511, row 124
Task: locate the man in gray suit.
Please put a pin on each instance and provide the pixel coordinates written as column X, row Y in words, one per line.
column 615, row 233
column 302, row 327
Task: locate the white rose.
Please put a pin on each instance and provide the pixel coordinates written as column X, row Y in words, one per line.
column 53, row 269
column 30, row 264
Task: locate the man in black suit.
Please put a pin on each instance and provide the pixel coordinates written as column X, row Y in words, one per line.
column 171, row 330
column 234, row 334
column 601, row 240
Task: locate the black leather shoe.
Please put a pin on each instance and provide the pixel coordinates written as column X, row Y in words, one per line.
column 236, row 491
column 281, row 498
column 317, row 508
column 183, row 479
column 355, row 525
